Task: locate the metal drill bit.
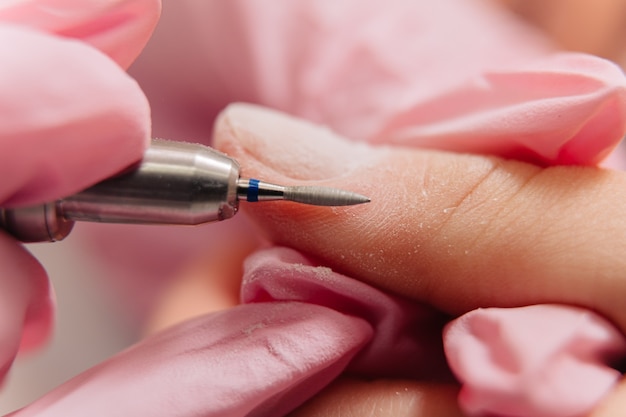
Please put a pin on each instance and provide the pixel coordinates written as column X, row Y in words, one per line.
column 175, row 183
column 253, row 190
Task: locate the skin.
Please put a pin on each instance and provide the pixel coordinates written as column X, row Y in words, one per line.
column 352, row 398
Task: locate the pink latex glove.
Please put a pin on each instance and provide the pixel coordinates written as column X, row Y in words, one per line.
column 520, row 114
column 539, row 360
column 70, row 117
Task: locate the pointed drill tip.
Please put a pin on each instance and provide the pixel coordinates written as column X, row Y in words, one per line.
column 359, row 199
column 323, row 196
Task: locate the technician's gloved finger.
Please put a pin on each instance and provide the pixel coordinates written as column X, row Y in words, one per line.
column 81, row 121
column 567, row 109
column 455, row 231
column 407, row 335
column 26, row 304
column 119, row 28
column 266, row 357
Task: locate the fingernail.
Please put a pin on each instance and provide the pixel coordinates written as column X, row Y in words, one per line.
column 292, row 147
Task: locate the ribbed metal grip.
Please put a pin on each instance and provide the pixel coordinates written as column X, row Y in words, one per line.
column 41, row 223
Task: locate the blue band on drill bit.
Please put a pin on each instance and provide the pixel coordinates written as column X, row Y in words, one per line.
column 253, row 190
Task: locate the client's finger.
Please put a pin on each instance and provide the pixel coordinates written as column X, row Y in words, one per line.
column 456, row 231
column 393, row 398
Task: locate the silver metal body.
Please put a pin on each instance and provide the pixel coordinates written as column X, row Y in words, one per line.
column 175, row 183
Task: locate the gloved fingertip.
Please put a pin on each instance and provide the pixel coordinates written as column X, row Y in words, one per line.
column 118, row 28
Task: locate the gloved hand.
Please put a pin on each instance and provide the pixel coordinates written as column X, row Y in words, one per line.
column 303, row 324
column 70, row 116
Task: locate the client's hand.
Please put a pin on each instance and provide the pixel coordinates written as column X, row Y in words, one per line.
column 456, row 232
